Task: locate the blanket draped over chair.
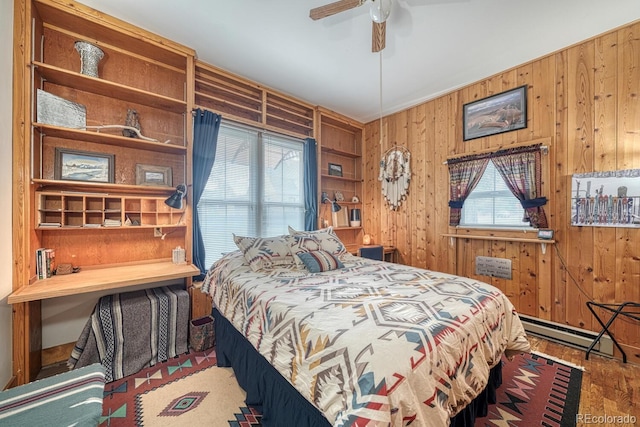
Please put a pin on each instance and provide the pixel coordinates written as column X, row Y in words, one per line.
column 131, row 331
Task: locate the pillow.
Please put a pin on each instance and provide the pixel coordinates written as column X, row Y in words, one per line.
column 317, row 261
column 302, row 243
column 264, row 252
column 329, row 240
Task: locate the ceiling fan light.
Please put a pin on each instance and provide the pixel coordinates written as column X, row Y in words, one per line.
column 380, row 10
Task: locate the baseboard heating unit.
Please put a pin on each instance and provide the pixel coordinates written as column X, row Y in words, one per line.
column 568, row 335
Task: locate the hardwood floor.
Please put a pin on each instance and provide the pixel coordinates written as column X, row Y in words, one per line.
column 609, row 387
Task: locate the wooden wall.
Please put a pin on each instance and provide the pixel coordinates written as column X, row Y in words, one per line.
column 584, row 102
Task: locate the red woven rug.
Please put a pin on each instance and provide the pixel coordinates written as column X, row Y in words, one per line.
column 191, row 390
column 535, row 390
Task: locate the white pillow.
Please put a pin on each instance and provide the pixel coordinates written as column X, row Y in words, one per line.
column 264, row 252
column 329, row 240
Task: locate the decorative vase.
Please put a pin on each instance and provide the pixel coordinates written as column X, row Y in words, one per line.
column 355, row 217
column 90, row 56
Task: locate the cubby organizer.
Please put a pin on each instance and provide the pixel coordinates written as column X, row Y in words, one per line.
column 60, row 210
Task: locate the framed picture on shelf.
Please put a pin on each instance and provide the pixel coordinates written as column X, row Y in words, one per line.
column 75, row 165
column 340, row 218
column 153, row 175
column 495, row 114
column 335, row 169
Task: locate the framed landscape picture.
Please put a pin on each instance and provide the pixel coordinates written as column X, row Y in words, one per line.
column 335, row 169
column 495, row 114
column 153, row 175
column 75, row 165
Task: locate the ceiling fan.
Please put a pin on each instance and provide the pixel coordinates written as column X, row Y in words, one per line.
column 379, row 11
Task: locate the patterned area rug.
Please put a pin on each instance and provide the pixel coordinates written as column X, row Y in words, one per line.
column 536, row 390
column 188, row 390
column 191, row 390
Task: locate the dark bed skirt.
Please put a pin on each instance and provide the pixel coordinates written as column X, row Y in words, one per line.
column 281, row 404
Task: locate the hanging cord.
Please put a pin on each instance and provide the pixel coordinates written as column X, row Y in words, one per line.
column 380, row 88
column 566, row 268
column 575, row 282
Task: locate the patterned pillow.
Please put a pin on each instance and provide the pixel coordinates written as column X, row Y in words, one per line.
column 317, row 261
column 302, row 243
column 328, row 239
column 264, row 252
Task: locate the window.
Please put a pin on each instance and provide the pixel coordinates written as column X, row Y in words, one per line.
column 491, row 204
column 255, row 188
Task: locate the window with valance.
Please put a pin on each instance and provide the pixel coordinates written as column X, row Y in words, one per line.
column 521, row 170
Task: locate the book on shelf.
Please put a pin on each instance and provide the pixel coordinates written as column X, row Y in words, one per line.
column 50, row 224
column 112, row 222
column 45, row 262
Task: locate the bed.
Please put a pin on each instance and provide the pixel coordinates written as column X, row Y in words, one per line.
column 349, row 341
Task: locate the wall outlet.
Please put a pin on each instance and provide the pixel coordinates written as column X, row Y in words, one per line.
column 157, row 232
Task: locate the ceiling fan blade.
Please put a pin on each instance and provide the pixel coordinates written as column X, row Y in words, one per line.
column 378, row 36
column 333, row 8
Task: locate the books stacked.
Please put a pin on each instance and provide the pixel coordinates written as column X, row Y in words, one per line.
column 45, row 263
column 112, row 222
column 50, row 224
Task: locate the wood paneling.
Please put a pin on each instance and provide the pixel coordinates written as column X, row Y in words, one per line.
column 584, row 102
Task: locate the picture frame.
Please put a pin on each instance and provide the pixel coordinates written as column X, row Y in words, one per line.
column 340, row 218
column 76, row 165
column 159, row 176
column 335, row 169
column 606, row 199
column 503, row 112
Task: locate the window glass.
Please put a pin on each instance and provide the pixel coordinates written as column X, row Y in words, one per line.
column 255, row 189
column 491, row 203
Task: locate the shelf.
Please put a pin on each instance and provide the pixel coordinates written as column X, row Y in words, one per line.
column 102, row 227
column 102, row 189
column 541, row 242
column 101, row 279
column 104, row 29
column 505, row 239
column 99, row 86
column 340, row 178
column 341, row 153
column 346, row 203
column 109, row 139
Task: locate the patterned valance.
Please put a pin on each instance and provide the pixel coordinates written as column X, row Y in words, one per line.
column 498, row 153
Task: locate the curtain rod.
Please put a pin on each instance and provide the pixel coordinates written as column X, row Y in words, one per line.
column 544, row 148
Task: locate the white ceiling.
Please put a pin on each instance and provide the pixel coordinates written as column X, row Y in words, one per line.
column 433, row 46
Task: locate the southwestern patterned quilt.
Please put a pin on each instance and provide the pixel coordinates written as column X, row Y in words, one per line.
column 373, row 343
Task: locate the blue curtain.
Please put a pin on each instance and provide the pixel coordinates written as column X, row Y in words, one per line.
column 206, row 126
column 310, row 185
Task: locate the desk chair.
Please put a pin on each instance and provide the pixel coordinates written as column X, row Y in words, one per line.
column 372, row 252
